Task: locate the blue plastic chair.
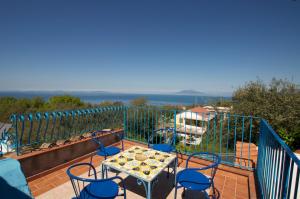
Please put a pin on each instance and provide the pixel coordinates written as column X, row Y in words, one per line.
column 13, row 183
column 169, row 144
column 192, row 179
column 86, row 188
column 106, row 151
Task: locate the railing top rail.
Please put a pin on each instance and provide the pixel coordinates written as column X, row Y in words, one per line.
column 67, row 112
column 282, row 143
column 182, row 111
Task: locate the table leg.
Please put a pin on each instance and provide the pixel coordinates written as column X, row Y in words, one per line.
column 175, row 180
column 149, row 191
column 147, row 186
column 175, row 169
column 103, row 171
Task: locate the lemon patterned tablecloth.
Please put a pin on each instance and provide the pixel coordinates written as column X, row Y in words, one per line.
column 145, row 170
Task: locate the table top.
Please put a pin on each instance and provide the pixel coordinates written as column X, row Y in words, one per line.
column 146, row 170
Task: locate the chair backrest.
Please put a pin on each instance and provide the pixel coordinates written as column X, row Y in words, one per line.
column 97, row 140
column 13, row 183
column 214, row 158
column 79, row 183
column 165, row 133
column 173, row 137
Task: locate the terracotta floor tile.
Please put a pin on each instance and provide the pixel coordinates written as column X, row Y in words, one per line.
column 229, row 185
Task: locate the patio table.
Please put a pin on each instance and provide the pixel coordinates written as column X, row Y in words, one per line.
column 145, row 171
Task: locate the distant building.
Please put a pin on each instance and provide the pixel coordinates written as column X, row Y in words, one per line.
column 193, row 123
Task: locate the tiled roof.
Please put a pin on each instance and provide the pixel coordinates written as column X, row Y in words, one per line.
column 199, row 109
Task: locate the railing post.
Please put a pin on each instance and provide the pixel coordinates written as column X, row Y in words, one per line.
column 125, row 122
column 174, row 131
column 259, row 158
column 14, row 121
column 285, row 178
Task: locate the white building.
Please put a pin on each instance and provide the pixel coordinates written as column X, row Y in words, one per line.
column 192, row 124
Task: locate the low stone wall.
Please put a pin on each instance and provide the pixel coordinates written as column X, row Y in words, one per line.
column 39, row 162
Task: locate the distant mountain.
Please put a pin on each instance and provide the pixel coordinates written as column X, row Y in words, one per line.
column 189, row 92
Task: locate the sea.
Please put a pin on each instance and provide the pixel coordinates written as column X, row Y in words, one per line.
column 96, row 97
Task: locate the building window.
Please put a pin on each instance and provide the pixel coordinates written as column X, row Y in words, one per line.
column 197, row 123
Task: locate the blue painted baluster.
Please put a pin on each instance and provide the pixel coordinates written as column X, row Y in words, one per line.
column 203, row 126
column 215, row 132
column 145, row 119
column 73, row 126
column 14, row 121
column 191, row 130
column 228, row 132
column 46, row 116
column 38, row 117
column 185, row 133
column 86, row 121
column 53, row 115
column 30, row 119
column 89, row 120
column 140, row 118
column 297, row 187
column 67, row 124
column 286, row 175
column 129, row 122
column 234, row 143
column 207, row 131
column 175, row 128
column 156, row 124
column 79, row 122
column 134, row 126
column 125, row 126
column 196, row 134
column 148, row 126
column 22, row 120
column 250, row 137
column 60, row 126
column 99, row 117
column 94, row 119
column 221, row 133
column 138, row 124
column 91, row 113
column 243, row 131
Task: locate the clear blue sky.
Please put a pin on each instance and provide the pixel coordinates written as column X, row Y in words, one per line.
column 147, row 46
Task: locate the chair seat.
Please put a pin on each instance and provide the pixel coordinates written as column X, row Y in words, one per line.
column 111, row 150
column 105, row 189
column 163, row 147
column 192, row 179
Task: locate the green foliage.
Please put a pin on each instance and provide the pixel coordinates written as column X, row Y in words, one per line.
column 278, row 103
column 110, row 103
column 11, row 105
column 223, row 102
column 141, row 101
column 65, row 101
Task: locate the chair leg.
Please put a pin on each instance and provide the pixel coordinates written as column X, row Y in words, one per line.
column 214, row 192
column 124, row 192
column 91, row 162
column 122, row 145
column 175, row 196
column 183, row 193
column 168, row 171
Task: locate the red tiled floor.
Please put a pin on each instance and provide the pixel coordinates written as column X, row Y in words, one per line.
column 228, row 184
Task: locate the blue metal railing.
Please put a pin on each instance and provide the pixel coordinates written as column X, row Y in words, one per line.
column 34, row 129
column 231, row 136
column 278, row 167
